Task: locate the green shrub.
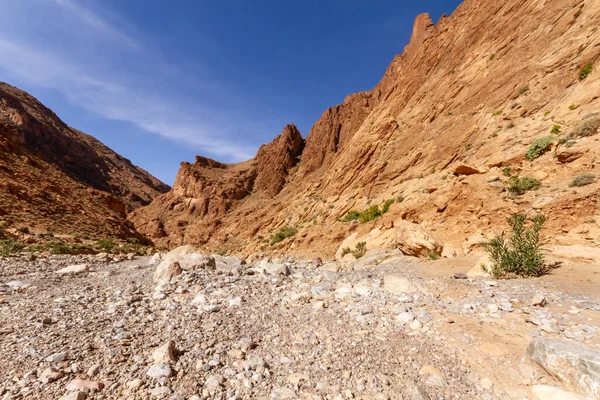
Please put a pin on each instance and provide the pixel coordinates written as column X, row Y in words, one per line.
column 539, row 147
column 520, row 255
column 433, row 255
column 23, row 229
column 546, row 113
column 106, row 245
column 518, row 186
column 585, row 71
column 369, row 214
column 573, row 107
column 496, row 113
column 555, row 130
column 587, row 127
column 507, row 171
column 359, row 250
column 583, row 180
column 284, row 233
column 9, row 246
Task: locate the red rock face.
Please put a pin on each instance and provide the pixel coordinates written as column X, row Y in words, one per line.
column 476, row 89
column 57, row 178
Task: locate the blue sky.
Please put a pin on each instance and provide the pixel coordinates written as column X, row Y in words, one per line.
column 160, row 82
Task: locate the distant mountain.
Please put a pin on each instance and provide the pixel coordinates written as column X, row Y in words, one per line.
column 56, row 178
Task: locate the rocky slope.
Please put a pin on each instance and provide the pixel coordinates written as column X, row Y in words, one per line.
column 452, row 118
column 56, row 178
column 388, row 327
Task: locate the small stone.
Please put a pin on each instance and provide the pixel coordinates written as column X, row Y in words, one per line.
column 57, row 357
column 493, row 308
column 486, row 383
column 135, row 384
column 214, row 382
column 160, row 391
column 491, row 283
column 159, row 370
column 165, row 353
column 416, row 324
column 74, row 396
column 80, row 384
column 460, row 275
column 295, row 378
column 93, row 370
column 236, row 301
column 50, row 375
column 405, row 318
column 538, row 300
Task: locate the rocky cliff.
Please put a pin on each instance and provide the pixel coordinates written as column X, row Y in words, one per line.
column 445, row 134
column 56, row 178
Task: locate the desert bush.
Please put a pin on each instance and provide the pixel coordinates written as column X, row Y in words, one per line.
column 555, row 130
column 585, row 71
column 359, row 250
column 583, row 180
column 369, row 214
column 518, row 186
column 9, row 246
column 523, row 90
column 23, row 229
column 520, row 255
column 106, row 245
column 539, row 147
column 284, row 233
column 434, row 255
column 587, row 127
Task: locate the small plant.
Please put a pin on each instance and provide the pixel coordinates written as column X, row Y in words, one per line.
column 346, row 250
column 523, row 90
column 587, row 127
column 583, row 180
column 510, row 125
column 546, row 113
column 573, row 107
column 369, row 214
column 359, row 250
column 507, row 171
column 518, row 186
column 539, row 147
column 399, row 198
column 434, row 255
column 23, row 229
column 496, row 113
column 585, row 71
column 492, row 56
column 106, row 245
column 9, row 246
column 284, row 233
column 563, row 140
column 520, row 255
column 555, row 130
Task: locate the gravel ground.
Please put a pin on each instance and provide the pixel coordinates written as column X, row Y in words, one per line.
column 279, row 330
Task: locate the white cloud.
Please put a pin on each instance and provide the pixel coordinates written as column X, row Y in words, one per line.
column 91, row 69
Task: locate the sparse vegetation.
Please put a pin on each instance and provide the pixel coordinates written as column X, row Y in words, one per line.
column 587, row 127
column 496, row 113
column 284, row 233
column 555, row 130
column 585, row 71
column 359, row 250
column 434, row 255
column 582, row 180
column 507, row 171
column 510, row 125
column 107, row 245
column 369, row 214
column 520, row 255
column 546, row 113
column 492, row 56
column 23, row 229
column 523, row 90
column 9, row 246
column 573, row 107
column 539, row 147
column 518, row 186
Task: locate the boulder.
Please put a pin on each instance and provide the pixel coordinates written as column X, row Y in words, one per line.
column 575, row 365
column 545, row 392
column 396, row 284
column 414, row 240
column 576, row 253
column 464, row 169
column 184, row 258
column 565, row 156
column 165, row 272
